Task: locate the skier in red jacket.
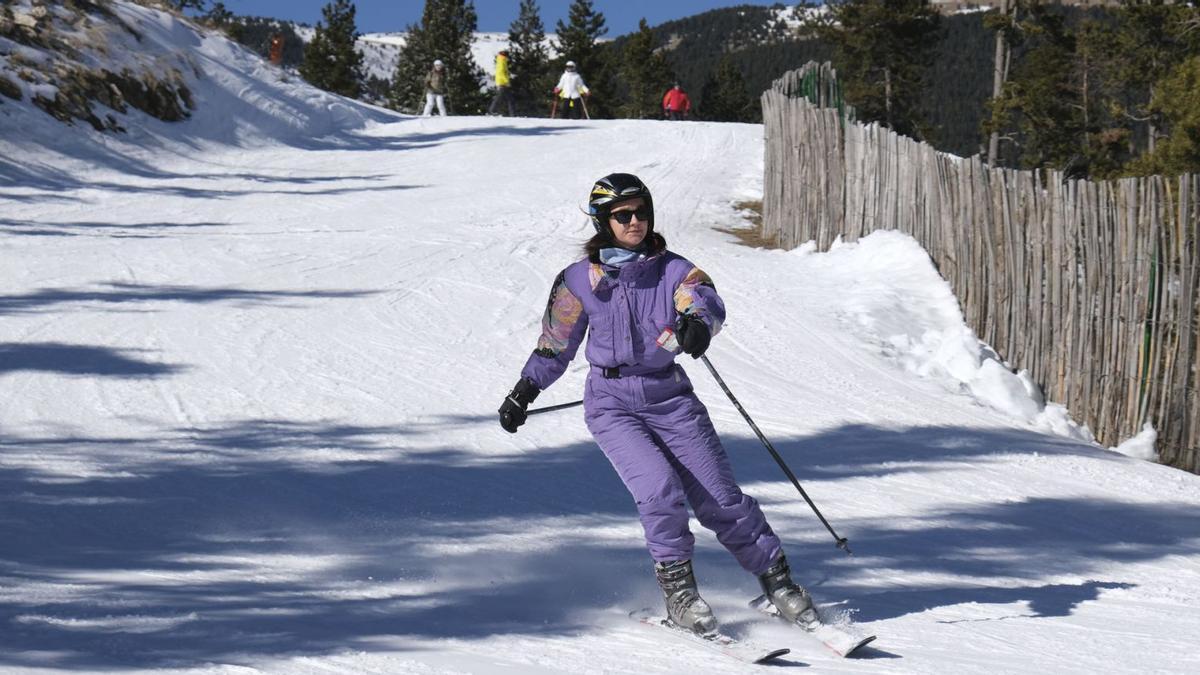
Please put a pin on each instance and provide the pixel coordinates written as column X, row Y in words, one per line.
column 676, row 103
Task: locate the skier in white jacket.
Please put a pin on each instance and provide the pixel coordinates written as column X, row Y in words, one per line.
column 571, row 90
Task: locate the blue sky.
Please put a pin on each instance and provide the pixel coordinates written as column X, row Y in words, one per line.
column 378, row 16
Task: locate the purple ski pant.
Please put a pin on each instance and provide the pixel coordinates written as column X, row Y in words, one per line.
column 659, row 438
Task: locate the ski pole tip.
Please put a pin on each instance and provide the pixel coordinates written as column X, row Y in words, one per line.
column 844, row 545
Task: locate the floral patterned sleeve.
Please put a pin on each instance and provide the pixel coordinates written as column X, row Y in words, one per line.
column 563, row 326
column 697, row 294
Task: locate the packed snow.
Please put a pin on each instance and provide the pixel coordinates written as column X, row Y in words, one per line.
column 249, row 369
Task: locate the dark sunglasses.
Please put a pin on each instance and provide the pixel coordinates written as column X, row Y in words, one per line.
column 626, row 217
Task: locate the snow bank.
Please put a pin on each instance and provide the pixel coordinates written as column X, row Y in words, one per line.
column 1140, row 446
column 896, row 299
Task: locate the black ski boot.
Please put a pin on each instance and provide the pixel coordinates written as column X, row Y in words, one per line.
column 685, row 607
column 792, row 601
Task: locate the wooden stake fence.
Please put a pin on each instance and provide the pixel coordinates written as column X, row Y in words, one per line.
column 1091, row 287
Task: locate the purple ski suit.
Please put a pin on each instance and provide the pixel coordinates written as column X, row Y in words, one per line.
column 639, row 404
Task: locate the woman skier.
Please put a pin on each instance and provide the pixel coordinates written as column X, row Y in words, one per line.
column 639, row 404
column 572, row 91
column 435, row 89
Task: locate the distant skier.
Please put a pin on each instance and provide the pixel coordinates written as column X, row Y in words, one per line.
column 503, row 88
column 275, row 51
column 639, row 404
column 676, row 104
column 571, row 90
column 435, row 89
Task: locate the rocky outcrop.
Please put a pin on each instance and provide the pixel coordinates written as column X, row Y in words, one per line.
column 60, row 55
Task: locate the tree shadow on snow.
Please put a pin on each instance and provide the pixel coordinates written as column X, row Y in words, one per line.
column 73, row 359
column 115, row 230
column 54, row 184
column 249, row 556
column 122, row 293
column 20, row 175
column 1018, row 537
column 412, row 141
column 276, row 537
column 867, row 451
column 1044, row 601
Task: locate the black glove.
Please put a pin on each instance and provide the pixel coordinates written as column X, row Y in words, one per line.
column 512, row 411
column 692, row 334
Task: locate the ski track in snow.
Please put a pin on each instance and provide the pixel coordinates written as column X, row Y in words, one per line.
column 249, row 368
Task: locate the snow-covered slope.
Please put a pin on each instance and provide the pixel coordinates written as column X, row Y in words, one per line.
column 249, row 368
column 237, row 97
column 380, row 51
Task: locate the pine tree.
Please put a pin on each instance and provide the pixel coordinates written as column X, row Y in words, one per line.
column 577, row 38
column 1107, row 137
column 1001, row 23
column 646, row 75
column 255, row 33
column 884, row 51
column 218, row 15
column 330, row 60
column 446, row 32
column 1150, row 39
column 1083, row 96
column 1041, row 102
column 1177, row 102
column 528, row 60
column 724, row 96
column 577, row 42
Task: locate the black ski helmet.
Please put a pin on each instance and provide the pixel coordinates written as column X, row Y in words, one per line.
column 612, row 190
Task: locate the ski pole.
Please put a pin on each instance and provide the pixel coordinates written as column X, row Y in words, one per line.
column 553, row 107
column 841, row 541
column 585, row 112
column 552, row 408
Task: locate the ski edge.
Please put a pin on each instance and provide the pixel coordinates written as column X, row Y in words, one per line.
column 838, row 640
column 724, row 644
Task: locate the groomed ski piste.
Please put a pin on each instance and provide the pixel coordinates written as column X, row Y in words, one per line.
column 249, row 369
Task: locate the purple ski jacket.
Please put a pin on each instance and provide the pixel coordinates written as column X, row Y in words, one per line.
column 626, row 309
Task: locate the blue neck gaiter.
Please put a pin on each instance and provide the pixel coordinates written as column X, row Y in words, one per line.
column 619, row 257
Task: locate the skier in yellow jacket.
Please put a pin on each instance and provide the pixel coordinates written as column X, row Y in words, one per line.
column 503, row 82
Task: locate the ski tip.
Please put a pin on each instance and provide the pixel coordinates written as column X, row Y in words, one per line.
column 857, row 646
column 772, row 655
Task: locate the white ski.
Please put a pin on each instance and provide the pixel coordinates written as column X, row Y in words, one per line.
column 843, row 641
column 720, row 643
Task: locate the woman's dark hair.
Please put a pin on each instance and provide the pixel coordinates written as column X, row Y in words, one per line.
column 653, row 243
